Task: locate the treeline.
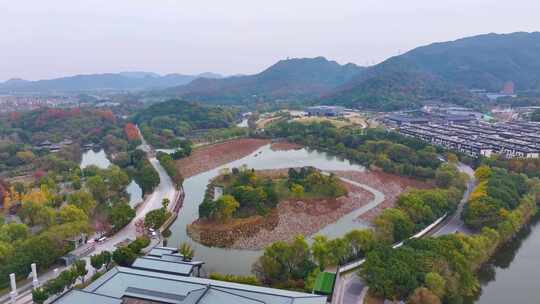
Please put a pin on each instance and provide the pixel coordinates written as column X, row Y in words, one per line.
column 308, row 181
column 19, row 248
column 84, row 125
column 247, row 193
column 527, row 166
column 296, row 265
column 166, row 124
column 442, row 270
column 390, row 151
column 167, row 162
column 497, row 193
column 22, row 133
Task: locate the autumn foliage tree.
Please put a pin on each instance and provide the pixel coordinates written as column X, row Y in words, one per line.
column 131, row 131
column 4, row 194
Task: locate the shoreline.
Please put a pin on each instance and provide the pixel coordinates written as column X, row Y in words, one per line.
column 290, row 218
column 294, row 216
column 390, row 185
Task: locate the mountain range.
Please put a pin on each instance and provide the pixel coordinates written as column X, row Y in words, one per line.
column 441, row 71
column 298, row 78
column 110, row 81
column 444, row 71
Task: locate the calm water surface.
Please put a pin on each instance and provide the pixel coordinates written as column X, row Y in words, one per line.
column 513, row 275
column 240, row 261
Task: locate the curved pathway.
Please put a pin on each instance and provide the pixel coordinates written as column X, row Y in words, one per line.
column 350, row 221
column 351, row 289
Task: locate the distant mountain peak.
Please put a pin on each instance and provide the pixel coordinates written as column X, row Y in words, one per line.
column 291, row 78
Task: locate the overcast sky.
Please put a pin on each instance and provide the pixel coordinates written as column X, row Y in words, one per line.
column 52, row 38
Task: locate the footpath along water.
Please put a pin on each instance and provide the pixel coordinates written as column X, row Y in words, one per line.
column 100, row 160
column 240, row 261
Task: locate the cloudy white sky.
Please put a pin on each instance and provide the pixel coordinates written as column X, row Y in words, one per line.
column 51, row 38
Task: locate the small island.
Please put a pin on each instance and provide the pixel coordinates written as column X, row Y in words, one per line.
column 240, row 202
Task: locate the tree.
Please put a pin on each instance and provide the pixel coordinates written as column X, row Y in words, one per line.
column 165, row 203
column 26, row 156
column 71, row 213
column 39, row 295
column 452, row 158
column 121, row 214
column 97, row 261
column 445, row 175
column 320, row 251
column 76, row 182
column 360, row 242
column 481, row 212
column 116, row 178
column 83, row 200
column 107, row 258
column 226, row 205
column 297, row 190
column 186, row 251
column 97, row 187
column 391, row 273
column 79, row 269
column 166, row 234
column 282, row 263
column 393, row 225
column 207, row 208
column 482, row 173
column 13, row 232
column 423, row 295
column 436, row 283
column 155, row 218
column 37, row 214
column 123, row 256
column 311, row 279
column 139, row 244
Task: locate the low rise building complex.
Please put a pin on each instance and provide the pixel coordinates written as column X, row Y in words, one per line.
column 514, row 139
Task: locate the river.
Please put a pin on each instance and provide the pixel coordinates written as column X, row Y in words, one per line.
column 100, row 160
column 513, row 274
column 236, row 261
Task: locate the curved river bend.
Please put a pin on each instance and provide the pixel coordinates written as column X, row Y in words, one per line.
column 236, row 261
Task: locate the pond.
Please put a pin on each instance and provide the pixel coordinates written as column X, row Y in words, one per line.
column 100, row 160
column 513, row 274
column 236, row 261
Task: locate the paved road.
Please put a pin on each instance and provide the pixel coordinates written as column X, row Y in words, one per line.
column 455, row 223
column 165, row 189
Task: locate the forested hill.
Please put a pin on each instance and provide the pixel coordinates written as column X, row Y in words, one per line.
column 96, row 82
column 444, row 71
column 167, row 124
column 299, row 78
column 170, row 113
